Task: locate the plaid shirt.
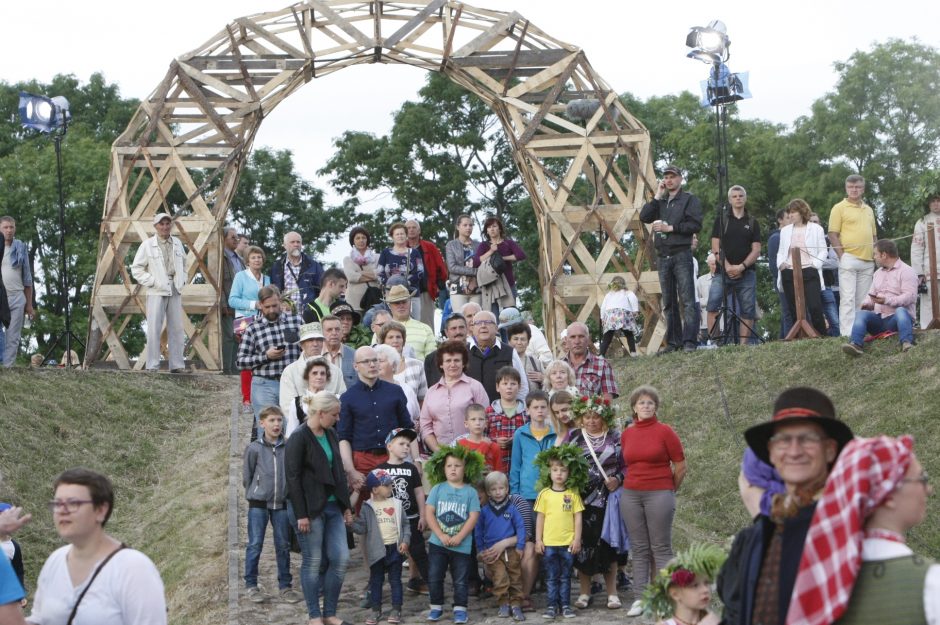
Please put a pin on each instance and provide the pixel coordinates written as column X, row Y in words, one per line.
column 261, row 336
column 291, row 273
column 594, row 376
column 499, row 425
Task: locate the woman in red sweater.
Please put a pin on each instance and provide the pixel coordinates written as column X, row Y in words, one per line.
column 655, row 466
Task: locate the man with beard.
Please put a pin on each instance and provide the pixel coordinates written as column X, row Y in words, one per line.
column 297, row 275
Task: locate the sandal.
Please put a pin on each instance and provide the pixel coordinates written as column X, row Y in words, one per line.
column 583, row 602
column 613, row 602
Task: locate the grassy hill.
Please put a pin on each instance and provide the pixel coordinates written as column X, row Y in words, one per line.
column 164, row 441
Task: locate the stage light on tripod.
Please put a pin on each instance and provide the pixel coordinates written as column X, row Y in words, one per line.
column 44, row 114
column 709, row 43
column 723, row 87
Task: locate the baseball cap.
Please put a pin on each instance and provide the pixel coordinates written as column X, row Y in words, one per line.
column 674, row 169
column 160, row 217
column 406, row 432
column 379, row 477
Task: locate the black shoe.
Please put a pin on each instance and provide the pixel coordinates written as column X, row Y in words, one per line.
column 597, row 588
column 623, row 581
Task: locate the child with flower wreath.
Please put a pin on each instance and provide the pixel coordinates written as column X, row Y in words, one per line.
column 451, row 512
column 681, row 592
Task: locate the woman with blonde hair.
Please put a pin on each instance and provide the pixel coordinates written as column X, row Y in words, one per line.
column 810, row 240
column 559, row 376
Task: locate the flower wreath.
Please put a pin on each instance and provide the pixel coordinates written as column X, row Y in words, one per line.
column 700, row 559
column 597, row 404
column 569, row 455
column 473, row 464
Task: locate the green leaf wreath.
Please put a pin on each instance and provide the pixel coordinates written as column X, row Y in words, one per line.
column 700, row 559
column 473, row 464
column 569, row 455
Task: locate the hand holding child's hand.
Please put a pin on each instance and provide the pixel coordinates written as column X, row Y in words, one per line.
column 539, row 546
column 403, row 548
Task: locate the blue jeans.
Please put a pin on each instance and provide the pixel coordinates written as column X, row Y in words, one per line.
column 264, row 393
column 744, row 289
column 392, row 565
column 558, row 562
column 831, row 311
column 676, row 279
column 257, row 524
column 439, row 558
column 868, row 322
column 327, row 531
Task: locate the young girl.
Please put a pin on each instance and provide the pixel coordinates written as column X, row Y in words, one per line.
column 619, row 312
column 683, row 588
column 562, row 422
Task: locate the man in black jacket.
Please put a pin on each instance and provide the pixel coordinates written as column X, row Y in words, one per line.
column 675, row 216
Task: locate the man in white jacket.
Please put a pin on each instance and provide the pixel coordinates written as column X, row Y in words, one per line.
column 160, row 266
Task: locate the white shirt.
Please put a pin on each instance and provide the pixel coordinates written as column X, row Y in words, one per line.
column 538, row 346
column 127, row 591
column 874, row 549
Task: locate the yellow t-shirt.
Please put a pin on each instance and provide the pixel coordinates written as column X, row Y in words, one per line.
column 856, row 227
column 559, row 509
column 387, row 513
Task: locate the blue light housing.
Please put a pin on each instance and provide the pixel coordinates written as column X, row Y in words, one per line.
column 42, row 113
column 723, row 87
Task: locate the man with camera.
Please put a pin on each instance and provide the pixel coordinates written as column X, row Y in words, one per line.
column 675, row 216
column 268, row 346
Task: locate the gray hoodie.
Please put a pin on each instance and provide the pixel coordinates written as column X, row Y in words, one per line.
column 263, row 473
column 366, row 523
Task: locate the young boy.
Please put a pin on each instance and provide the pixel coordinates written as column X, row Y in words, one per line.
column 500, row 541
column 332, row 287
column 12, row 551
column 407, row 488
column 266, row 491
column 535, row 436
column 558, row 537
column 506, row 414
column 387, row 533
column 475, row 438
column 451, row 513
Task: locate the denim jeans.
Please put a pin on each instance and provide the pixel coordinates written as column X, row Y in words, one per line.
column 744, row 290
column 786, row 320
column 257, row 524
column 868, row 322
column 327, row 532
column 391, row 564
column 676, row 279
column 264, row 393
column 558, row 562
column 439, row 558
column 831, row 311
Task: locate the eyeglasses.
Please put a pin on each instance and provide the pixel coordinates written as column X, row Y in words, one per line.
column 367, row 361
column 923, row 478
column 317, row 372
column 484, row 322
column 69, row 505
column 806, row 439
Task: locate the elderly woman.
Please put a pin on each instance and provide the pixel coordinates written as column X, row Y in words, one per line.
column 655, row 465
column 810, row 240
column 318, row 375
column 319, row 506
column 442, row 415
column 559, row 376
column 856, row 566
column 121, row 585
column 459, row 253
column 404, row 261
column 389, row 358
column 598, row 438
column 244, row 299
column 408, row 371
column 360, row 267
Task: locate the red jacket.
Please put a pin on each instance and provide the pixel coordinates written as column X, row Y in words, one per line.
column 434, row 267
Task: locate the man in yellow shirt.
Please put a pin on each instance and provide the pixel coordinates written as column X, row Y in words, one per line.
column 853, row 234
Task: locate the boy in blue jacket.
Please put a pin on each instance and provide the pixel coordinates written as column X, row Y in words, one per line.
column 500, row 541
column 535, row 436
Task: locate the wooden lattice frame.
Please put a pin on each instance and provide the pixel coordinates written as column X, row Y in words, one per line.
column 200, row 121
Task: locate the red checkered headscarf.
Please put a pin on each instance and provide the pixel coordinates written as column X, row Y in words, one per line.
column 866, row 472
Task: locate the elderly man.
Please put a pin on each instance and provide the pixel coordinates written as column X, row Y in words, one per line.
column 18, row 282
column 369, row 409
column 293, row 383
column 268, row 346
column 468, row 310
column 160, row 266
column 435, row 270
column 232, row 263
column 297, row 275
column 593, row 374
column 337, row 353
column 852, row 231
column 488, row 355
column 420, row 336
column 801, row 441
column 455, row 328
column 889, row 305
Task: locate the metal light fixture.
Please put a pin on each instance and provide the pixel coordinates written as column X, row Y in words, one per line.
column 723, row 87
column 44, row 114
column 709, row 43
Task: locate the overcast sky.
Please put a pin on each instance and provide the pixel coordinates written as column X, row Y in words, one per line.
column 788, row 48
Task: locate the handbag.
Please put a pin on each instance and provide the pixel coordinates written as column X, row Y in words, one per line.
column 371, row 297
column 497, row 263
column 91, row 581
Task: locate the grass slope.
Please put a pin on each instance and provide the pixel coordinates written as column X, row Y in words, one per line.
column 162, row 440
column 711, row 397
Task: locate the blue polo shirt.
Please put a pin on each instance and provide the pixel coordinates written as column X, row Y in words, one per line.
column 368, row 413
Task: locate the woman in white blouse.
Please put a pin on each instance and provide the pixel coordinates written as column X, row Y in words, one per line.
column 810, row 239
column 360, row 267
column 94, row 575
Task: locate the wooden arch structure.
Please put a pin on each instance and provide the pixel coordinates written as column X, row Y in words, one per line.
column 194, row 132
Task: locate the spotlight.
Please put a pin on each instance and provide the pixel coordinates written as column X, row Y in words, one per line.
column 709, row 43
column 44, row 114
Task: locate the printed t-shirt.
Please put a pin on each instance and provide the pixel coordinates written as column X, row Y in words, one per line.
column 559, row 508
column 387, row 520
column 406, row 478
column 452, row 508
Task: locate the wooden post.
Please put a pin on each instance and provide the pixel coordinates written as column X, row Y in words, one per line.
column 934, row 296
column 802, row 329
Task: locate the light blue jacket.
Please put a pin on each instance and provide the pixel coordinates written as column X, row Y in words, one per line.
column 244, row 293
column 19, row 258
column 523, row 473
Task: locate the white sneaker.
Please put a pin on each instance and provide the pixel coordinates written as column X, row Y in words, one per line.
column 636, row 609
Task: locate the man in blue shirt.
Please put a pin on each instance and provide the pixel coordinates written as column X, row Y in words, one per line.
column 369, row 410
